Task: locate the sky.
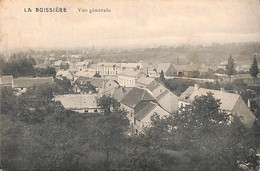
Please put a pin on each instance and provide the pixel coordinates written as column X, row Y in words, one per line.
column 131, row 23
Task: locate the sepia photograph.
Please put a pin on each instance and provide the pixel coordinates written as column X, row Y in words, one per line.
column 130, row 85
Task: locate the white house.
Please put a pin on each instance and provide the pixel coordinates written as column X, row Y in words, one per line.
column 128, row 78
column 82, row 103
column 104, row 68
column 82, row 66
column 230, row 102
column 167, row 99
column 140, row 105
column 143, row 113
column 65, row 73
column 22, row 83
column 6, row 81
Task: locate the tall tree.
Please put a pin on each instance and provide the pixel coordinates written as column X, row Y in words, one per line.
column 230, row 67
column 162, row 78
column 254, row 70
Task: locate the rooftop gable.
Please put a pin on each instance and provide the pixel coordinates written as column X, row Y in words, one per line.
column 24, row 82
column 136, row 95
column 142, row 109
column 228, row 100
column 78, row 101
column 163, row 67
column 7, row 79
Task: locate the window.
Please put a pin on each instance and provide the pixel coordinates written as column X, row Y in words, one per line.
column 95, row 110
column 86, row 111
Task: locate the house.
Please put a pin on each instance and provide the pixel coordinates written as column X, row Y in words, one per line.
column 143, row 113
column 140, row 105
column 144, row 81
column 118, row 93
column 131, row 100
column 82, row 103
column 59, row 65
column 92, row 68
column 230, row 102
column 84, row 74
column 128, row 78
column 6, row 81
column 167, row 68
column 102, row 85
column 75, row 58
column 22, row 83
column 82, row 66
column 104, row 68
column 65, row 73
column 184, row 70
column 167, row 99
column 152, row 72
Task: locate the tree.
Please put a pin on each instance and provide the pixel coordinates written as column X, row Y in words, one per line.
column 46, row 72
column 110, row 133
column 230, row 67
column 162, row 78
column 64, row 85
column 208, row 139
column 19, row 66
column 254, row 70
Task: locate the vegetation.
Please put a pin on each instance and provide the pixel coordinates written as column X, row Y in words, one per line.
column 162, row 77
column 20, row 66
column 230, row 67
column 38, row 133
column 254, row 70
column 201, row 137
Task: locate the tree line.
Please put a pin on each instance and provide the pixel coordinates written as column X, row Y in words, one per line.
column 20, row 66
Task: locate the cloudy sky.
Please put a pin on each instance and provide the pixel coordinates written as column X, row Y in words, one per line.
column 130, row 23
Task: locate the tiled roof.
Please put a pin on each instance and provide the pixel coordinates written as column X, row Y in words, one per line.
column 84, row 74
column 162, row 94
column 142, row 109
column 228, row 100
column 131, row 73
column 97, row 82
column 6, row 80
column 120, row 92
column 24, row 82
column 163, row 67
column 145, row 80
column 186, row 94
column 184, row 67
column 109, row 64
column 135, row 96
column 130, row 65
column 78, row 101
column 93, row 66
column 64, row 73
column 153, row 85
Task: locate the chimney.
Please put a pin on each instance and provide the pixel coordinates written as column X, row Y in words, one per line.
column 222, row 89
column 196, row 87
column 248, row 103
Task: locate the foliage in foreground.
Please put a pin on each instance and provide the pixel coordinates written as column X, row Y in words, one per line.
column 38, row 133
